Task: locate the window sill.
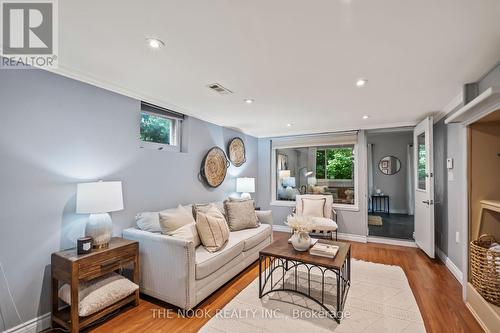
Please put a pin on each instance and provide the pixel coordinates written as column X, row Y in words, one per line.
column 284, row 203
column 159, row 146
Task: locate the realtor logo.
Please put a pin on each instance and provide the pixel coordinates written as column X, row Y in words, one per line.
column 29, row 33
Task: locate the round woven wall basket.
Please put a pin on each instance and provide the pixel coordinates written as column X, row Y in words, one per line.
column 485, row 268
column 214, row 167
column 236, row 151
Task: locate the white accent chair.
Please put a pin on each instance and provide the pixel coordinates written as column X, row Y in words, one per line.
column 323, row 226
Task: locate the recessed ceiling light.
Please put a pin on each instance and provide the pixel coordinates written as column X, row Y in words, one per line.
column 249, row 101
column 366, row 116
column 155, row 43
column 289, row 125
column 361, row 82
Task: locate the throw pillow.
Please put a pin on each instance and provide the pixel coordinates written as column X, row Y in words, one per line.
column 265, row 216
column 188, row 233
column 313, row 207
column 205, row 207
column 241, row 215
column 212, row 229
column 173, row 219
column 148, row 221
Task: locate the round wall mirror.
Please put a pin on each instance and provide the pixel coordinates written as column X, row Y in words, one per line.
column 389, row 165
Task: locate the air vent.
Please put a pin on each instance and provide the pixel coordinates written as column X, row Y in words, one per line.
column 219, row 88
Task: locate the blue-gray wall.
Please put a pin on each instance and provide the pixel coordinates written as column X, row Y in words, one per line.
column 448, row 189
column 56, row 132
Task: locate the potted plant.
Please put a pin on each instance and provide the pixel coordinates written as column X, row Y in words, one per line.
column 301, row 226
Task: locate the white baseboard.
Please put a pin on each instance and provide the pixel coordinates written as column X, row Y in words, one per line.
column 352, row 237
column 340, row 235
column 455, row 271
column 391, row 241
column 282, row 228
column 32, row 326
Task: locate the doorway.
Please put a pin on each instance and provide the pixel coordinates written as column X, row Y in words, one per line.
column 391, row 189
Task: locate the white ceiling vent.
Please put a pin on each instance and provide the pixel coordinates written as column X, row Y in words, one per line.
column 219, row 88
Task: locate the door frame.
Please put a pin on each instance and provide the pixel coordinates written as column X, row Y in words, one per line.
column 380, row 239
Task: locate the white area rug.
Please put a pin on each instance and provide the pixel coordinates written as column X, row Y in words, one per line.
column 379, row 300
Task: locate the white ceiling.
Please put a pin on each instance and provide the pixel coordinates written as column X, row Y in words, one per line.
column 298, row 59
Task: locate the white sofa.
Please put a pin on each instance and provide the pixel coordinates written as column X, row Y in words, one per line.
column 176, row 272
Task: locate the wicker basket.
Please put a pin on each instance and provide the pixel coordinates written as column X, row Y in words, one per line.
column 485, row 268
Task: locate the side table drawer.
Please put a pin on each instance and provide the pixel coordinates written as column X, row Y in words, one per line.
column 106, row 263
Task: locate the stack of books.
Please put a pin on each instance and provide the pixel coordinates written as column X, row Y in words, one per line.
column 324, row 250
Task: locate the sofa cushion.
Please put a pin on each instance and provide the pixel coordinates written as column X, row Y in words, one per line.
column 251, row 237
column 148, row 221
column 241, row 214
column 172, row 219
column 207, row 262
column 212, row 229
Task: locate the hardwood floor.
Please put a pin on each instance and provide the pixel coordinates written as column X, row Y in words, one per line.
column 437, row 292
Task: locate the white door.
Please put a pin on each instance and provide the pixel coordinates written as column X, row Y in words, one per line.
column 424, row 186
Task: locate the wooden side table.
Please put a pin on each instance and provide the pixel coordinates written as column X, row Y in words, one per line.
column 69, row 267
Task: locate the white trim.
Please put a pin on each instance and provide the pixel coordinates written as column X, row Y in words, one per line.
column 32, row 326
column 477, row 317
column 452, row 105
column 282, row 203
column 391, row 241
column 465, row 216
column 352, row 237
column 455, row 271
column 281, row 228
column 476, row 109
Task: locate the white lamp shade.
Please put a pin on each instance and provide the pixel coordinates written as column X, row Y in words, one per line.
column 245, row 185
column 99, row 197
column 311, row 181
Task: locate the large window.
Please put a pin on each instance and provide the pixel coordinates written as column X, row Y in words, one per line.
column 315, row 165
column 160, row 128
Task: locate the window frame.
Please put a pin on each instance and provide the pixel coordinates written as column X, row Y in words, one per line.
column 175, row 134
column 316, row 142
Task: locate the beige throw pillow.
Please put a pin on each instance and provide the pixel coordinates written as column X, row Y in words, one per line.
column 313, row 207
column 212, row 229
column 173, row 219
column 188, row 233
column 205, row 207
column 241, row 214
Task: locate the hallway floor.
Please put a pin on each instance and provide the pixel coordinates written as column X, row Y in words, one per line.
column 393, row 226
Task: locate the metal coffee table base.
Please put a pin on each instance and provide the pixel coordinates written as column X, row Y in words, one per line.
column 268, row 265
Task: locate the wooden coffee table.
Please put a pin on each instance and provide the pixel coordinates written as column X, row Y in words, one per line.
column 280, row 258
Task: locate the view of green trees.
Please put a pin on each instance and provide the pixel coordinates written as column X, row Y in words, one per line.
column 422, row 159
column 337, row 163
column 155, row 128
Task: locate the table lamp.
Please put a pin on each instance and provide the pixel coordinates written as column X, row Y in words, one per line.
column 245, row 186
column 99, row 199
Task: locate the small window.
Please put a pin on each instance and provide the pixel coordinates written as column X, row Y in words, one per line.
column 160, row 128
column 156, row 129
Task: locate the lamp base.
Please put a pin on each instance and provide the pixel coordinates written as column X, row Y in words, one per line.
column 100, row 228
column 245, row 195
